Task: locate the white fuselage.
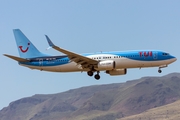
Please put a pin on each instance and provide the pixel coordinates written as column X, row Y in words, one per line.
column 121, row 63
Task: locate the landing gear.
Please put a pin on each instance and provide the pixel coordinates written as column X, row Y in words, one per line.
column 160, row 71
column 162, row 66
column 90, row 73
column 97, row 76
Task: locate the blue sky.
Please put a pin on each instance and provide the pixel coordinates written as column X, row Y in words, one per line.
column 83, row 26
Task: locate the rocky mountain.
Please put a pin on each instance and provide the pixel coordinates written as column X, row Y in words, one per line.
column 107, row 102
column 166, row 112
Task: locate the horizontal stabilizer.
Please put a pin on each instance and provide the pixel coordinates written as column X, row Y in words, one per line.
column 16, row 58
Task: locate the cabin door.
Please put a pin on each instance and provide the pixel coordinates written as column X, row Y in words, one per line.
column 40, row 62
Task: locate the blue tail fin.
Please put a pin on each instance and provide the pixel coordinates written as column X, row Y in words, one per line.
column 25, row 47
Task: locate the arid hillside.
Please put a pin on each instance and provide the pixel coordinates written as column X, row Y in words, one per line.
column 107, row 102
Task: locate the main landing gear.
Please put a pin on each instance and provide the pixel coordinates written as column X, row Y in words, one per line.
column 90, row 73
column 97, row 76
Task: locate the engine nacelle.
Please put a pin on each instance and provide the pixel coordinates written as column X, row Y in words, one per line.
column 106, row 65
column 117, row 72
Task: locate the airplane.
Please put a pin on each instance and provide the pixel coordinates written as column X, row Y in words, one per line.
column 113, row 63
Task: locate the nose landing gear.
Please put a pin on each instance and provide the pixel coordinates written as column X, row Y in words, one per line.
column 163, row 66
column 159, row 71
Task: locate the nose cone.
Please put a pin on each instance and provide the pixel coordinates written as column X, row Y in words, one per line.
column 174, row 59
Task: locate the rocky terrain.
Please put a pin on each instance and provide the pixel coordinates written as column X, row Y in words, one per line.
column 113, row 101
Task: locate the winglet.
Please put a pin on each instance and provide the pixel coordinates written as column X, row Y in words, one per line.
column 49, row 41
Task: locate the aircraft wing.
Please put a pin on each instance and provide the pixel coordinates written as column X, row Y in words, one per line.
column 79, row 59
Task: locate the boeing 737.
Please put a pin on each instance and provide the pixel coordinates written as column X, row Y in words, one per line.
column 113, row 63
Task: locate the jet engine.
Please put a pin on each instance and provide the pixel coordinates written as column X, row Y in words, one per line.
column 117, row 72
column 106, row 65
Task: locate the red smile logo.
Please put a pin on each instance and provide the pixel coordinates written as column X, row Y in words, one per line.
column 21, row 48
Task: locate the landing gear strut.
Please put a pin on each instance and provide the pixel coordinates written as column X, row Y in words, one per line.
column 162, row 66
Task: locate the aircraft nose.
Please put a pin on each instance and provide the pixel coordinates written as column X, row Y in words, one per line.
column 174, row 59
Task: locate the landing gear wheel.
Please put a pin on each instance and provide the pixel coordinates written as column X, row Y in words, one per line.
column 90, row 73
column 97, row 76
column 160, row 71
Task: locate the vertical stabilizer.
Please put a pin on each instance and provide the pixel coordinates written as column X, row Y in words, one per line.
column 25, row 48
